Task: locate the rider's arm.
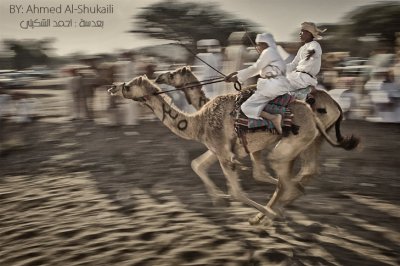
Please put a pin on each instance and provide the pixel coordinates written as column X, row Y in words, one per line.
column 256, row 68
column 292, row 65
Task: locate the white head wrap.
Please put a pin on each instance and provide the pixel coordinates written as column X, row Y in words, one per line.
column 267, row 38
column 312, row 28
column 212, row 45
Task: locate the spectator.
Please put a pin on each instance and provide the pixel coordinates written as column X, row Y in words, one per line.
column 384, row 95
column 74, row 85
column 235, row 57
column 209, row 52
column 90, row 80
column 126, row 70
column 396, row 68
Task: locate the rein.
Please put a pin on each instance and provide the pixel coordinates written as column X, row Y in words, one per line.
column 188, row 86
column 190, row 51
column 236, row 85
column 192, row 85
column 196, row 84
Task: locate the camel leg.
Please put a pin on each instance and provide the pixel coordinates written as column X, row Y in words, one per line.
column 200, row 165
column 309, row 165
column 260, row 172
column 233, row 180
column 282, row 158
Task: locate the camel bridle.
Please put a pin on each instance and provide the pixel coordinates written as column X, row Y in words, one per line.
column 183, row 87
column 187, row 85
column 139, row 99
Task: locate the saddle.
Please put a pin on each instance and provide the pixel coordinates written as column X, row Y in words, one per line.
column 279, row 105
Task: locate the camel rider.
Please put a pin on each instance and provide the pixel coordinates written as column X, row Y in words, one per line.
column 272, row 83
column 302, row 71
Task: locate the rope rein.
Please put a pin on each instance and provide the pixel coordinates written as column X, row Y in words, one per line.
column 189, row 85
column 193, row 85
column 190, row 51
column 236, row 85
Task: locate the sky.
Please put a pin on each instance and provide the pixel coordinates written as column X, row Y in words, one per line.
column 280, row 17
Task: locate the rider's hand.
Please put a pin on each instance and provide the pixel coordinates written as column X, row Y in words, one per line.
column 231, row 77
column 309, row 54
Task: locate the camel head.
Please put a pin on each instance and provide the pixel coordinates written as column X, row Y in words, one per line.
column 137, row 89
column 178, row 78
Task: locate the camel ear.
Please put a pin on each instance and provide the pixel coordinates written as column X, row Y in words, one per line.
column 188, row 68
column 140, row 80
column 145, row 76
column 184, row 70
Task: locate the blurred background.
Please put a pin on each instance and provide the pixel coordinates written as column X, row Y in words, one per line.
column 360, row 47
column 89, row 179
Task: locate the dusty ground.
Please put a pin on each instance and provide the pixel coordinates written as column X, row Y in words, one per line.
column 87, row 194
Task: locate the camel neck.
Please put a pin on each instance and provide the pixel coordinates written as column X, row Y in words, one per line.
column 182, row 124
column 196, row 97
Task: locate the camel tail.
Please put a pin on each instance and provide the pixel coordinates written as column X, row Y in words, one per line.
column 347, row 143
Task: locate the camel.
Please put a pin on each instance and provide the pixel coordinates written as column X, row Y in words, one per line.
column 325, row 108
column 213, row 126
column 182, row 78
column 194, row 95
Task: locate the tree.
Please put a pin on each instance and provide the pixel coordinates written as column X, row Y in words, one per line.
column 381, row 20
column 364, row 30
column 29, row 52
column 178, row 21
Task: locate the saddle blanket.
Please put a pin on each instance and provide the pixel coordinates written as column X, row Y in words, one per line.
column 276, row 106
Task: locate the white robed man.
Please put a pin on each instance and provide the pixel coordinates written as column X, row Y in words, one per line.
column 126, row 70
column 210, row 53
column 236, row 55
column 302, row 71
column 272, row 82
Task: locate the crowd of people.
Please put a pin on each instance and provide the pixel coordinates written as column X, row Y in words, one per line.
column 92, row 76
column 275, row 72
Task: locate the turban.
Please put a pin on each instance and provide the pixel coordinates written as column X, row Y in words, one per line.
column 310, row 27
column 267, row 38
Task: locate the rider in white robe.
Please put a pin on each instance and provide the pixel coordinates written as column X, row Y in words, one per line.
column 272, row 82
column 302, row 71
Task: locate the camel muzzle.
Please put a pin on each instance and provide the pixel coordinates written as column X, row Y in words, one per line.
column 113, row 89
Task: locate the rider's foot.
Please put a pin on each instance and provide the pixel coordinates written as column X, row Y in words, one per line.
column 277, row 121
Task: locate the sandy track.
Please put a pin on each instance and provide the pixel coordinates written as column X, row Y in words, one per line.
column 84, row 194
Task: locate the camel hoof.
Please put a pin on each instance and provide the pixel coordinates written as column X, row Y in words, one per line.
column 256, row 219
